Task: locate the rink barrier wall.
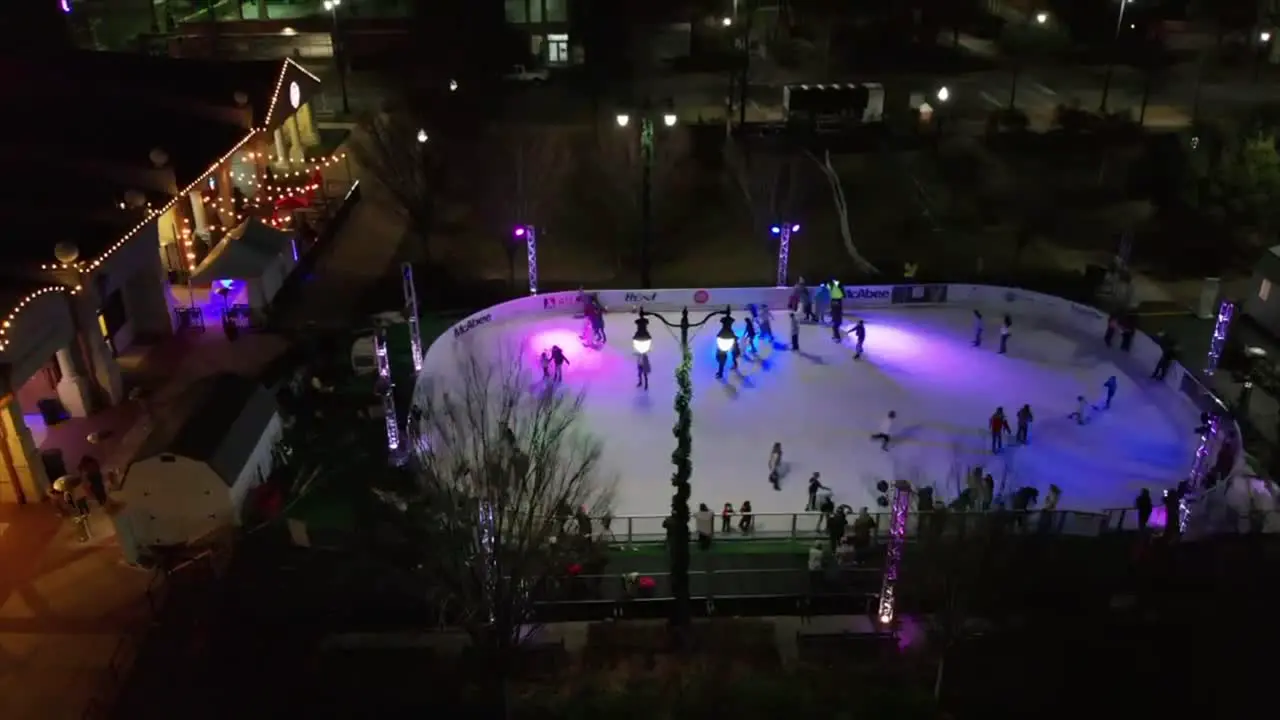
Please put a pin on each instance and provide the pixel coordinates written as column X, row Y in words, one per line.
column 992, row 301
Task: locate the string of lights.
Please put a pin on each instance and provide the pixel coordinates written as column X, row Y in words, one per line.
column 310, row 167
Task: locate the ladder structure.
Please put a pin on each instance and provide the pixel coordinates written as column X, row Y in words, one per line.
column 411, row 314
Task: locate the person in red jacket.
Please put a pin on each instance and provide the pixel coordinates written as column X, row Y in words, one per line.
column 999, row 426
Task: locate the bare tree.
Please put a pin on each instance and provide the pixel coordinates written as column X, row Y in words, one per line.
column 841, row 206
column 396, row 151
column 527, row 171
column 503, row 468
column 763, row 181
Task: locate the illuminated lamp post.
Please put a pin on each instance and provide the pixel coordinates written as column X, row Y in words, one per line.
column 682, row 457
column 529, row 234
column 647, row 154
column 339, row 52
column 783, row 232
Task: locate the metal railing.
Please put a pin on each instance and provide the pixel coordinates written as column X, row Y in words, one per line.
column 644, row 529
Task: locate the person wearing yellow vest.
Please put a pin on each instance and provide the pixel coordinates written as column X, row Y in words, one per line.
column 837, row 309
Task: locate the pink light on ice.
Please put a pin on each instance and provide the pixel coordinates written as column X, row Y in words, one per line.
column 582, row 360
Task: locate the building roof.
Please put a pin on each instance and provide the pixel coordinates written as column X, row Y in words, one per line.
column 244, row 254
column 225, row 417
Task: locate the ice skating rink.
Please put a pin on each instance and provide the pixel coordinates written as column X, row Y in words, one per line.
column 823, row 405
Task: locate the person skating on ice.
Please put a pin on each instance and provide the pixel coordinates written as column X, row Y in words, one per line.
column 821, row 300
column 559, row 361
column 805, row 299
column 545, row 360
column 775, row 466
column 746, row 517
column 721, row 358
column 1126, row 334
column 749, row 334
column 1167, row 354
column 1113, row 324
column 977, row 329
column 1081, row 413
column 815, row 484
column 726, row 518
column 1025, row 418
column 1110, row 386
column 998, row 424
column 837, row 319
column 795, row 332
column 885, row 436
column 642, row 370
column 1006, row 329
column 597, row 327
column 859, row 337
column 735, row 352
column 766, row 323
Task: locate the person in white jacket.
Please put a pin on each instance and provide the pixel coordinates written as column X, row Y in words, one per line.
column 885, row 436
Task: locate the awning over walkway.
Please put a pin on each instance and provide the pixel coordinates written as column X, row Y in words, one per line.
column 244, row 254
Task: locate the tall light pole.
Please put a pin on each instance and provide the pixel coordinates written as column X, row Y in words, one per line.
column 339, row 52
column 1111, row 63
column 942, row 96
column 529, row 234
column 1263, row 51
column 682, row 458
column 783, row 232
column 647, row 150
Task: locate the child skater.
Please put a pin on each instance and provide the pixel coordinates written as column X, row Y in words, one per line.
column 775, row 464
column 726, row 518
column 735, row 352
column 642, row 370
column 977, row 329
column 1081, row 412
column 559, row 361
column 545, row 359
column 1006, row 330
column 885, row 436
column 1110, row 386
column 597, row 326
column 795, row 331
column 749, row 334
column 766, row 323
column 859, row 337
column 999, row 426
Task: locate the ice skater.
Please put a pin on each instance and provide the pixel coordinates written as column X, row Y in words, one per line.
column 977, row 329
column 726, row 518
column 766, row 323
column 1081, row 414
column 803, row 301
column 795, row 332
column 1110, row 386
column 837, row 319
column 885, row 436
column 815, row 484
column 998, row 424
column 735, row 352
column 1126, row 334
column 721, row 358
column 1167, row 354
column 821, row 300
column 1113, row 324
column 775, row 466
column 749, row 335
column 558, row 360
column 859, row 337
column 1006, row 329
column 545, row 360
column 1025, row 418
column 597, row 327
column 642, row 370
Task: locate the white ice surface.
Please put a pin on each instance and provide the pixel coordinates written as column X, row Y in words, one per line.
column 822, row 405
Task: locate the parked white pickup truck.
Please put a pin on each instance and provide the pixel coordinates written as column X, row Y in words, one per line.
column 520, row 73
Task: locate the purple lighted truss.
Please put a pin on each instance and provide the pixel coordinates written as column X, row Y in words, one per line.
column 897, row 539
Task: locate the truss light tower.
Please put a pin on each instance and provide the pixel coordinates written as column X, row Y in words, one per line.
column 529, row 234
column 783, row 232
column 1217, row 343
column 411, row 314
column 386, row 388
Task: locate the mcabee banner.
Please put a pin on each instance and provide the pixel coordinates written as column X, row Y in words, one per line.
column 919, row 294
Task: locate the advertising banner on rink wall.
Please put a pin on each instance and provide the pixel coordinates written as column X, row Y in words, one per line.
column 919, row 294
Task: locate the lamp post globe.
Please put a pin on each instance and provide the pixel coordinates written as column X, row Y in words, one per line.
column 669, row 119
column 726, row 337
column 1042, row 18
column 943, row 94
column 423, row 137
column 622, row 119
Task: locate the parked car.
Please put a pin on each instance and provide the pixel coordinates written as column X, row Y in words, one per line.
column 520, row 73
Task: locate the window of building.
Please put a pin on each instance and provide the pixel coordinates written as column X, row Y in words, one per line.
column 557, row 49
column 535, row 11
column 555, row 11
column 1264, row 290
column 517, row 11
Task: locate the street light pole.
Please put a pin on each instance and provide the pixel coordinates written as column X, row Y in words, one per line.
column 339, row 52
column 648, row 151
column 1111, row 62
column 678, row 525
